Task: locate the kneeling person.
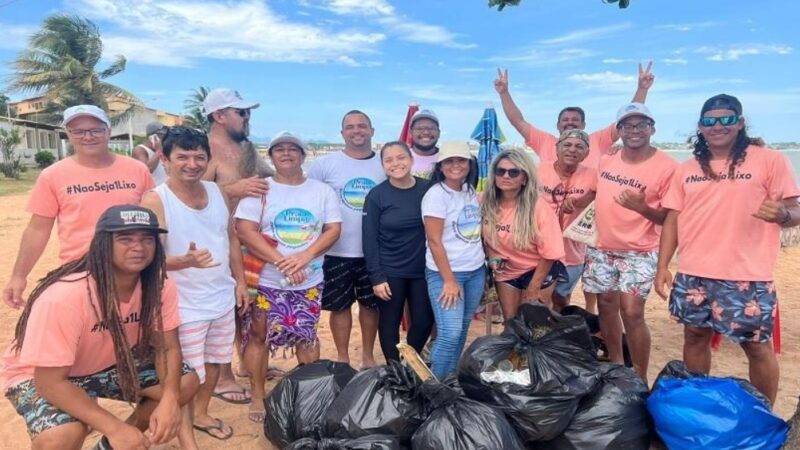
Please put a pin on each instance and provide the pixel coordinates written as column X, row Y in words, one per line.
column 102, row 326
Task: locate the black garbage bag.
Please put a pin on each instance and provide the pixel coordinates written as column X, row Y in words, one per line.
column 458, row 423
column 614, row 417
column 560, row 357
column 374, row 442
column 381, row 400
column 296, row 406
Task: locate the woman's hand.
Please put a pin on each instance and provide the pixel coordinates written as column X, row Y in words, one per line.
column 382, row 291
column 451, row 294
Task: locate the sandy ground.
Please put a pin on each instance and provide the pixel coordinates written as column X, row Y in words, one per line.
column 666, row 337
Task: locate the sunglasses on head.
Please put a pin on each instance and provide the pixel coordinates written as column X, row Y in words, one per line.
column 725, row 121
column 179, row 131
column 512, row 173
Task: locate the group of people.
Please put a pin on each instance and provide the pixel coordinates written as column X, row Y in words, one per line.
column 152, row 299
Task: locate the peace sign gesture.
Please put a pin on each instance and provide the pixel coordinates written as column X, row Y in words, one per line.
column 646, row 76
column 501, row 83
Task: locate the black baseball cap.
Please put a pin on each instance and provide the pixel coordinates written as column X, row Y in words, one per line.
column 722, row 101
column 128, row 217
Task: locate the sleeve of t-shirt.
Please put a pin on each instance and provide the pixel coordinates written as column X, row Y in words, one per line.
column 316, row 172
column 52, row 335
column 433, row 203
column 591, row 179
column 147, row 178
column 782, row 181
column 333, row 213
column 605, row 138
column 673, row 199
column 550, row 242
column 666, row 179
column 43, row 200
column 249, row 208
column 539, row 140
column 170, row 317
column 370, row 224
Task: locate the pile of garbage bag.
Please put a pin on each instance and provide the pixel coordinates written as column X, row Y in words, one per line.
column 374, row 442
column 694, row 411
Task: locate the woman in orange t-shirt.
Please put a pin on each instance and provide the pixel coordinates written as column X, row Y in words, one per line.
column 521, row 233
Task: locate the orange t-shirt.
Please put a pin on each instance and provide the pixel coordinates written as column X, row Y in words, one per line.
column 544, row 144
column 554, row 190
column 77, row 196
column 64, row 331
column 547, row 245
column 717, row 235
column 620, row 228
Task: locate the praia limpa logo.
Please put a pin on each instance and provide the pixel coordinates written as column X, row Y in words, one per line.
column 355, row 192
column 468, row 224
column 295, row 227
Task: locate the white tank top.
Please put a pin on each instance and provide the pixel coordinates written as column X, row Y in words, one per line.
column 203, row 294
column 159, row 174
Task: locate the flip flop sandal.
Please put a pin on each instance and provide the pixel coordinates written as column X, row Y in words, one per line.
column 222, row 396
column 218, row 425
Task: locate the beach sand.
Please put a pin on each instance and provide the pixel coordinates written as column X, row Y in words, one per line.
column 666, row 337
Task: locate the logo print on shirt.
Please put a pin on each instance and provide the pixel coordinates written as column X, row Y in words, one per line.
column 355, row 192
column 468, row 224
column 295, row 227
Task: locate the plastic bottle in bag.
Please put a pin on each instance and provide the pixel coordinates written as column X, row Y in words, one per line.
column 308, row 271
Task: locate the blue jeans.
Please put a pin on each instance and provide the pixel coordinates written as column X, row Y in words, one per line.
column 452, row 325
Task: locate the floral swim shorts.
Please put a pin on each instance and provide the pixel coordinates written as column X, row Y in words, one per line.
column 743, row 311
column 292, row 315
column 627, row 271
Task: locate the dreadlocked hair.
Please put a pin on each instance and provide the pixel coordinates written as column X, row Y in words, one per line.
column 738, row 153
column 98, row 263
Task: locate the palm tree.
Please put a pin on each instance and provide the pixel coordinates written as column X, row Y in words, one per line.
column 194, row 109
column 59, row 64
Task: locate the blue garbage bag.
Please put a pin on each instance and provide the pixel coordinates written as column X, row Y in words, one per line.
column 713, row 413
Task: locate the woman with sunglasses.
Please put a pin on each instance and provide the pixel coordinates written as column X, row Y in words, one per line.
column 394, row 249
column 454, row 261
column 520, row 231
column 725, row 211
column 569, row 187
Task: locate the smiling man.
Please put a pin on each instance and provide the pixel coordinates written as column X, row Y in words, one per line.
column 424, row 139
column 75, row 191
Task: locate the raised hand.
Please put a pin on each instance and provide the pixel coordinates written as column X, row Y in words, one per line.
column 501, row 83
column 646, row 77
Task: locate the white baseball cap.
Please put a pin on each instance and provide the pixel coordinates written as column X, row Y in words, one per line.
column 424, row 114
column 634, row 109
column 454, row 149
column 85, row 110
column 287, row 138
column 225, row 98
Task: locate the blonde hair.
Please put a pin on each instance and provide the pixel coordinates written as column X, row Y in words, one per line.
column 525, row 229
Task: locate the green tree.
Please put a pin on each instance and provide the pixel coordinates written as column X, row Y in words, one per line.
column 10, row 138
column 193, row 105
column 60, row 64
column 4, row 105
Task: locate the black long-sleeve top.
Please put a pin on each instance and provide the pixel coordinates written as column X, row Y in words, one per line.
column 393, row 232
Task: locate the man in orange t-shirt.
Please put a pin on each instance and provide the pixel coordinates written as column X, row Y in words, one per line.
column 102, row 326
column 571, row 117
column 630, row 187
column 726, row 208
column 75, row 191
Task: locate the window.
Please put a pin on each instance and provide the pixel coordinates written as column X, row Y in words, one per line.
column 30, row 139
column 51, row 139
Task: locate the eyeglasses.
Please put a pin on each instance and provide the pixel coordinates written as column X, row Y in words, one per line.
column 641, row 126
column 94, row 132
column 725, row 121
column 425, row 129
column 242, row 112
column 512, row 173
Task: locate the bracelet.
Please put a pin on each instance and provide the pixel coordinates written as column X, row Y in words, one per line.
column 787, row 218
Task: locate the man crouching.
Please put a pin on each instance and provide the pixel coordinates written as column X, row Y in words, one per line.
column 102, row 326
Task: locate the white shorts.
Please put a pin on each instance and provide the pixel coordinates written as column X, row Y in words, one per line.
column 207, row 341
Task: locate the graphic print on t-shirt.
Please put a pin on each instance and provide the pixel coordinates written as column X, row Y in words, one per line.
column 468, row 224
column 355, row 192
column 294, row 227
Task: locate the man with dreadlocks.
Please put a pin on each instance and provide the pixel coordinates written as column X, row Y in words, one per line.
column 105, row 325
column 726, row 208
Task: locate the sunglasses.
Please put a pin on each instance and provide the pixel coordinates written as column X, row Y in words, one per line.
column 180, row 131
column 242, row 112
column 725, row 121
column 512, row 173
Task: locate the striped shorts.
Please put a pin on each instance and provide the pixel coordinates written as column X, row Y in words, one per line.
column 207, row 342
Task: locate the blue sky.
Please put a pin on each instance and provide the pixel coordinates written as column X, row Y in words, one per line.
column 309, row 61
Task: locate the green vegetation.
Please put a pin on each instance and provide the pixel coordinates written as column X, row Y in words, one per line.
column 21, row 185
column 44, row 158
column 194, row 109
column 10, row 167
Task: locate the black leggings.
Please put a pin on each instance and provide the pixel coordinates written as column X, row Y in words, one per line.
column 415, row 290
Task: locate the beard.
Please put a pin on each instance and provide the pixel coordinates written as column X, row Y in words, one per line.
column 425, row 148
column 238, row 136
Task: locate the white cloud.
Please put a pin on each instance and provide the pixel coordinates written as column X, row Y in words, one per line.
column 684, row 27
column 360, row 7
column 15, row 37
column 421, row 33
column 603, row 77
column 616, row 61
column 442, row 93
column 538, row 57
column 735, row 52
column 675, row 61
column 177, row 32
column 587, row 34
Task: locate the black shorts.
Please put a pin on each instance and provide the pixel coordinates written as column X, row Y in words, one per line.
column 557, row 273
column 346, row 280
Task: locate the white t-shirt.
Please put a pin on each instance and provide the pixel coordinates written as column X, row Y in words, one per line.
column 351, row 179
column 423, row 165
column 293, row 218
column 461, row 235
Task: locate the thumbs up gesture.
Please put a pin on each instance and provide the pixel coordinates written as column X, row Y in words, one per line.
column 773, row 210
column 199, row 258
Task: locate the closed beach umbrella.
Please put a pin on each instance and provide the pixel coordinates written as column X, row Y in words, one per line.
column 489, row 135
column 405, row 132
